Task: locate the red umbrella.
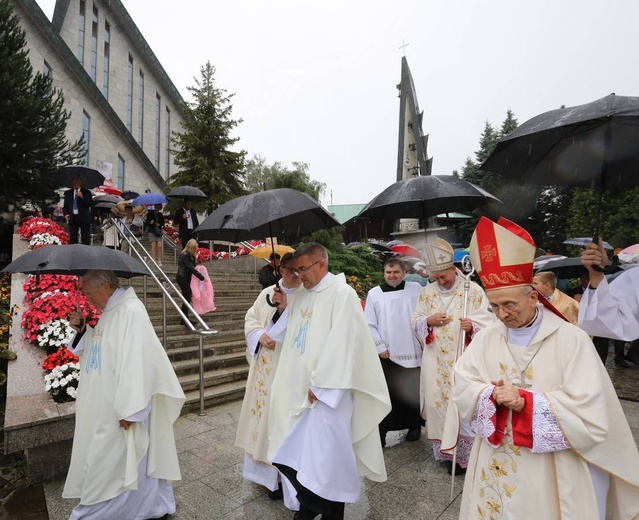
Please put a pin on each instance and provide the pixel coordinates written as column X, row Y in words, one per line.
column 406, row 250
column 107, row 189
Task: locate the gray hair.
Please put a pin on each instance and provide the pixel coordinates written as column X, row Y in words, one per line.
column 98, row 278
column 314, row 250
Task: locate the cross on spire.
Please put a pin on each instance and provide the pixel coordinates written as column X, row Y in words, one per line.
column 403, row 47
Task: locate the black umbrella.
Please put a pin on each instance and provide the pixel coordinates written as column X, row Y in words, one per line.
column 282, row 212
column 106, row 198
column 76, row 259
column 425, row 196
column 130, row 195
column 595, row 145
column 91, row 178
column 564, row 267
column 187, row 192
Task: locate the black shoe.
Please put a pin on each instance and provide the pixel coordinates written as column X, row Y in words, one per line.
column 621, row 363
column 413, row 434
column 382, row 437
column 458, row 469
column 633, row 360
column 278, row 494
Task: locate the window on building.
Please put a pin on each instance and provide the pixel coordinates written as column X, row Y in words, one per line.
column 129, row 96
column 86, row 134
column 94, row 44
column 81, row 22
column 47, row 70
column 167, row 137
column 141, row 109
column 158, row 128
column 107, row 52
column 120, row 179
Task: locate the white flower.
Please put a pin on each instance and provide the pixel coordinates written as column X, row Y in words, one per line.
column 55, row 383
column 63, row 382
column 47, row 387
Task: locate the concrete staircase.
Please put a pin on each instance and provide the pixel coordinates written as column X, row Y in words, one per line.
column 225, row 364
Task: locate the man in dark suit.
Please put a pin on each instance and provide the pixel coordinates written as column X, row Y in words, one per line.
column 186, row 220
column 77, row 211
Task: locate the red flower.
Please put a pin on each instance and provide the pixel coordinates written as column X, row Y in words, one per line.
column 62, row 356
column 39, row 225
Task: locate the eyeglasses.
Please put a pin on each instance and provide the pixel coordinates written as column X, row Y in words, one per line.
column 303, row 269
column 508, row 307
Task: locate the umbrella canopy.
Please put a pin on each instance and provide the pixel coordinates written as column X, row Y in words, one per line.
column 107, row 189
column 564, row 267
column 425, row 196
column 130, row 195
column 186, row 192
column 594, row 145
column 378, row 246
column 91, row 178
column 582, row 241
column 540, row 261
column 111, row 199
column 630, row 250
column 150, row 199
column 405, row 249
column 267, row 250
column 76, row 259
column 104, row 205
column 281, row 212
column 459, row 254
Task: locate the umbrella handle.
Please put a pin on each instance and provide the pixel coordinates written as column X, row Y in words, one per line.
column 270, row 302
column 609, row 269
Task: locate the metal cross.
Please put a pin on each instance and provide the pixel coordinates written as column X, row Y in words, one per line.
column 403, row 47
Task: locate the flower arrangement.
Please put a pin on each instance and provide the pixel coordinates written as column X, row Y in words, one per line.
column 54, row 334
column 204, row 254
column 62, row 382
column 30, row 209
column 34, row 287
column 43, row 239
column 40, row 226
column 62, row 356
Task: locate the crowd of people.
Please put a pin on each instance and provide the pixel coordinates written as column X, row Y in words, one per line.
column 503, row 374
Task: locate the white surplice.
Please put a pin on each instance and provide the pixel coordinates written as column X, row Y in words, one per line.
column 125, row 374
column 329, row 349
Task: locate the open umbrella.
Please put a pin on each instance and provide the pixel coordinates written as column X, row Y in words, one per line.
column 106, row 198
column 76, row 259
column 150, row 199
column 267, row 250
column 595, row 145
column 186, row 192
column 405, row 249
column 282, row 212
column 130, row 195
column 540, row 261
column 91, row 178
column 425, row 196
column 582, row 241
column 107, row 189
column 630, row 250
column 564, row 267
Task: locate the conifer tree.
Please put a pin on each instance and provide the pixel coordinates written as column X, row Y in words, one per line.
column 32, row 122
column 203, row 151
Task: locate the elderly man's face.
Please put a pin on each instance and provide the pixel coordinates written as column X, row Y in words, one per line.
column 98, row 296
column 513, row 306
column 446, row 278
column 311, row 270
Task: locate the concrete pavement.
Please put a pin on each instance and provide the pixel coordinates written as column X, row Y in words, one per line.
column 212, row 486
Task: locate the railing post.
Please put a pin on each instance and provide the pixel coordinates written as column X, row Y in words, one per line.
column 164, row 317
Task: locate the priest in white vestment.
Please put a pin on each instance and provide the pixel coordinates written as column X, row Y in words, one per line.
column 329, row 394
column 552, row 439
column 124, row 450
column 263, row 353
column 388, row 311
column 438, row 323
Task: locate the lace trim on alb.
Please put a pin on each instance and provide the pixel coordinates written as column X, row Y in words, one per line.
column 481, row 424
column 547, row 436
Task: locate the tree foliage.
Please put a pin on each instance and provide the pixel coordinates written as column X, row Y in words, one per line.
column 260, row 175
column 203, row 151
column 33, row 144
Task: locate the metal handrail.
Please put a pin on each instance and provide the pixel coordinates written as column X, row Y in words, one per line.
column 132, row 241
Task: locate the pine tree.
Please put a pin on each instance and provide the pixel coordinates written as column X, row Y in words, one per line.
column 32, row 123
column 204, row 150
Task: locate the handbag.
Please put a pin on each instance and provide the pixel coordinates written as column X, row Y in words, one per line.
column 157, row 231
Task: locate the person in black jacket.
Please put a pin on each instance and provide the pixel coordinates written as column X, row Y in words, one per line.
column 77, row 211
column 186, row 221
column 186, row 269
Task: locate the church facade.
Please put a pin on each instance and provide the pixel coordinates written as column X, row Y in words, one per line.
column 118, row 94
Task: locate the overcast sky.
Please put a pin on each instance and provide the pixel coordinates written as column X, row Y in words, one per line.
column 315, row 81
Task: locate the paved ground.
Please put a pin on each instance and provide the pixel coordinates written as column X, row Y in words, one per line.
column 212, row 487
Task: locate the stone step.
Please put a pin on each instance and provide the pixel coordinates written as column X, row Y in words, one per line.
column 214, row 378
column 188, row 352
column 219, row 361
column 214, row 396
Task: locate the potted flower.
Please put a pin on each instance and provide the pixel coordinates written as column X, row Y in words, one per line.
column 63, row 375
